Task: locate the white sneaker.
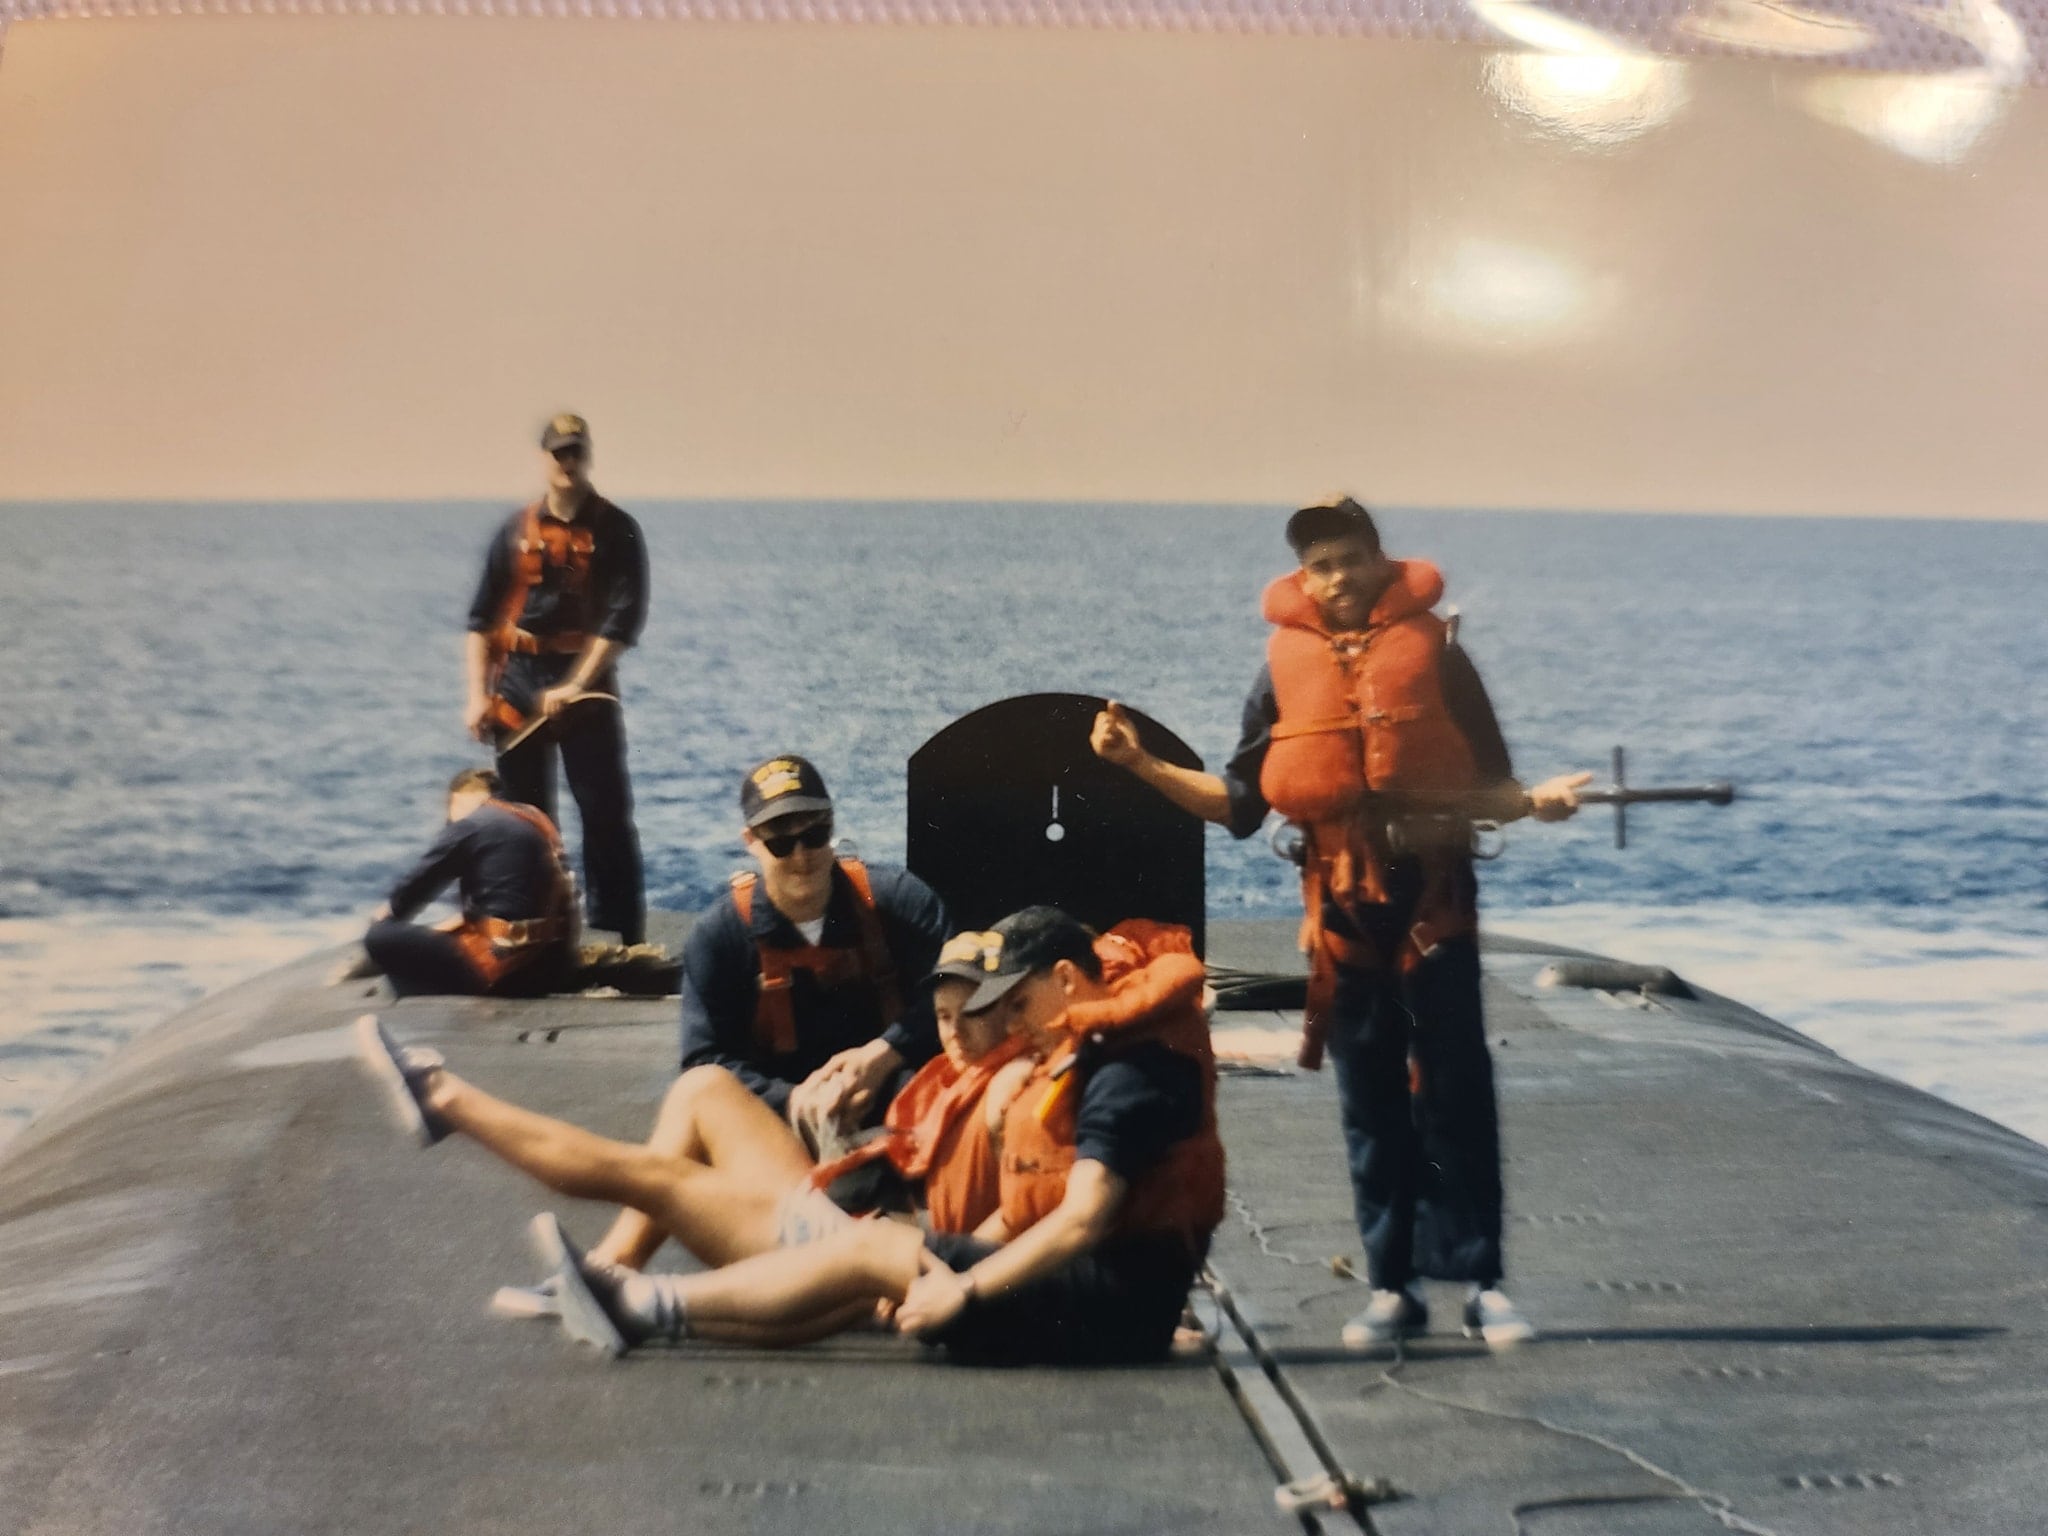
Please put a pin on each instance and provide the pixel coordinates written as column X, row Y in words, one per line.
column 1390, row 1315
column 1489, row 1315
column 529, row 1301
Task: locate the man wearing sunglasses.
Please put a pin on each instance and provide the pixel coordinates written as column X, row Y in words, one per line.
column 563, row 592
column 802, row 980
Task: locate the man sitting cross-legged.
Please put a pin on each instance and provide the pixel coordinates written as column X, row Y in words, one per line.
column 1111, row 1181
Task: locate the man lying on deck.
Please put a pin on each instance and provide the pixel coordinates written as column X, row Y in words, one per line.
column 1110, row 1182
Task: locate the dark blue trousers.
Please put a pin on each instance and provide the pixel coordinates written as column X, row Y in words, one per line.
column 1425, row 1167
column 419, row 961
column 592, row 741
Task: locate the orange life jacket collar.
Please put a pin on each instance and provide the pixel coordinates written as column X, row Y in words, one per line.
column 1416, row 588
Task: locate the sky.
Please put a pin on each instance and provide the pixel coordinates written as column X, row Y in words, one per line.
column 335, row 258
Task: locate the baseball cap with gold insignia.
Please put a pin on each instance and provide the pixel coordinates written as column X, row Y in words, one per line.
column 1021, row 945
column 783, row 786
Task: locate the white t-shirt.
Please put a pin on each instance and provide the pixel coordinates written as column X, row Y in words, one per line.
column 812, row 931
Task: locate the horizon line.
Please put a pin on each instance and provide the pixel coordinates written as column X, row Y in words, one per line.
column 8, row 503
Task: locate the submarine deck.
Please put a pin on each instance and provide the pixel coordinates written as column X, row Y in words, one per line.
column 1777, row 1293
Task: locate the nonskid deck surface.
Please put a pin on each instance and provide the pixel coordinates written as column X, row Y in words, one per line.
column 1771, row 1286
column 1777, row 1294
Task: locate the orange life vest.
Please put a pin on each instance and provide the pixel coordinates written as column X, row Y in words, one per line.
column 1155, row 994
column 935, row 1132
column 539, row 543
column 497, row 946
column 867, row 961
column 1365, row 747
column 1361, row 713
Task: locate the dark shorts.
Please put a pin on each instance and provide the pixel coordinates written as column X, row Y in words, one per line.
column 1116, row 1305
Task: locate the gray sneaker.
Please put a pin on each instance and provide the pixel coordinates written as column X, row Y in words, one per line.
column 588, row 1293
column 1489, row 1315
column 1389, row 1316
column 403, row 1071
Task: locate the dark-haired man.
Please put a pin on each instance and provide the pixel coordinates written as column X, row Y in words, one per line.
column 563, row 592
column 1375, row 736
column 517, row 933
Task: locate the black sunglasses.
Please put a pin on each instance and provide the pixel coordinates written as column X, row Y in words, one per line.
column 783, row 844
column 570, row 453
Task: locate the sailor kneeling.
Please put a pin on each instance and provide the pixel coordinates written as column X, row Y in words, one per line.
column 517, row 933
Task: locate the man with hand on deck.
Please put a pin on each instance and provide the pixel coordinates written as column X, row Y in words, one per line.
column 563, row 592
column 1376, row 738
column 517, row 933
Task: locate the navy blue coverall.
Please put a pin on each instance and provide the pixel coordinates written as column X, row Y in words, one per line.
column 1425, row 1169
column 722, row 985
column 504, row 867
column 610, row 602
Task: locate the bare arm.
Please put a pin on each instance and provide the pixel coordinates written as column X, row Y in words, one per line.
column 1115, row 740
column 1081, row 1220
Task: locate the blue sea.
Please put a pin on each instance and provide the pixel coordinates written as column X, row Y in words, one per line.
column 226, row 729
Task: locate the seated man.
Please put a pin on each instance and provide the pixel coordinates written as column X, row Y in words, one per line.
column 517, row 933
column 1111, row 1181
column 801, row 981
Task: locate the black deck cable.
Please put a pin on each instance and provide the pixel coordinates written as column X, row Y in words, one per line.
column 1256, row 991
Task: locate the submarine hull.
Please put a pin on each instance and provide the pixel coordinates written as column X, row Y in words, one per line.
column 1772, row 1289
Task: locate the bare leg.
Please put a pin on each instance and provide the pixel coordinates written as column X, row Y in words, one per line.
column 710, row 1117
column 795, row 1295
column 719, row 1214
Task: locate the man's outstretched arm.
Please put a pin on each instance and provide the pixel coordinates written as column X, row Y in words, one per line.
column 1115, row 740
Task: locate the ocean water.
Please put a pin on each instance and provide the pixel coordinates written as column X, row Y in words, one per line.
column 226, row 730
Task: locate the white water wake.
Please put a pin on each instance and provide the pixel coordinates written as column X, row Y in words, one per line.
column 1958, row 1008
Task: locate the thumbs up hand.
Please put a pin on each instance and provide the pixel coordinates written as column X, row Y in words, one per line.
column 1114, row 738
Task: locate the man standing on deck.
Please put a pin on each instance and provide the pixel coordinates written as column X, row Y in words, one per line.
column 563, row 592
column 1377, row 739
column 517, row 933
